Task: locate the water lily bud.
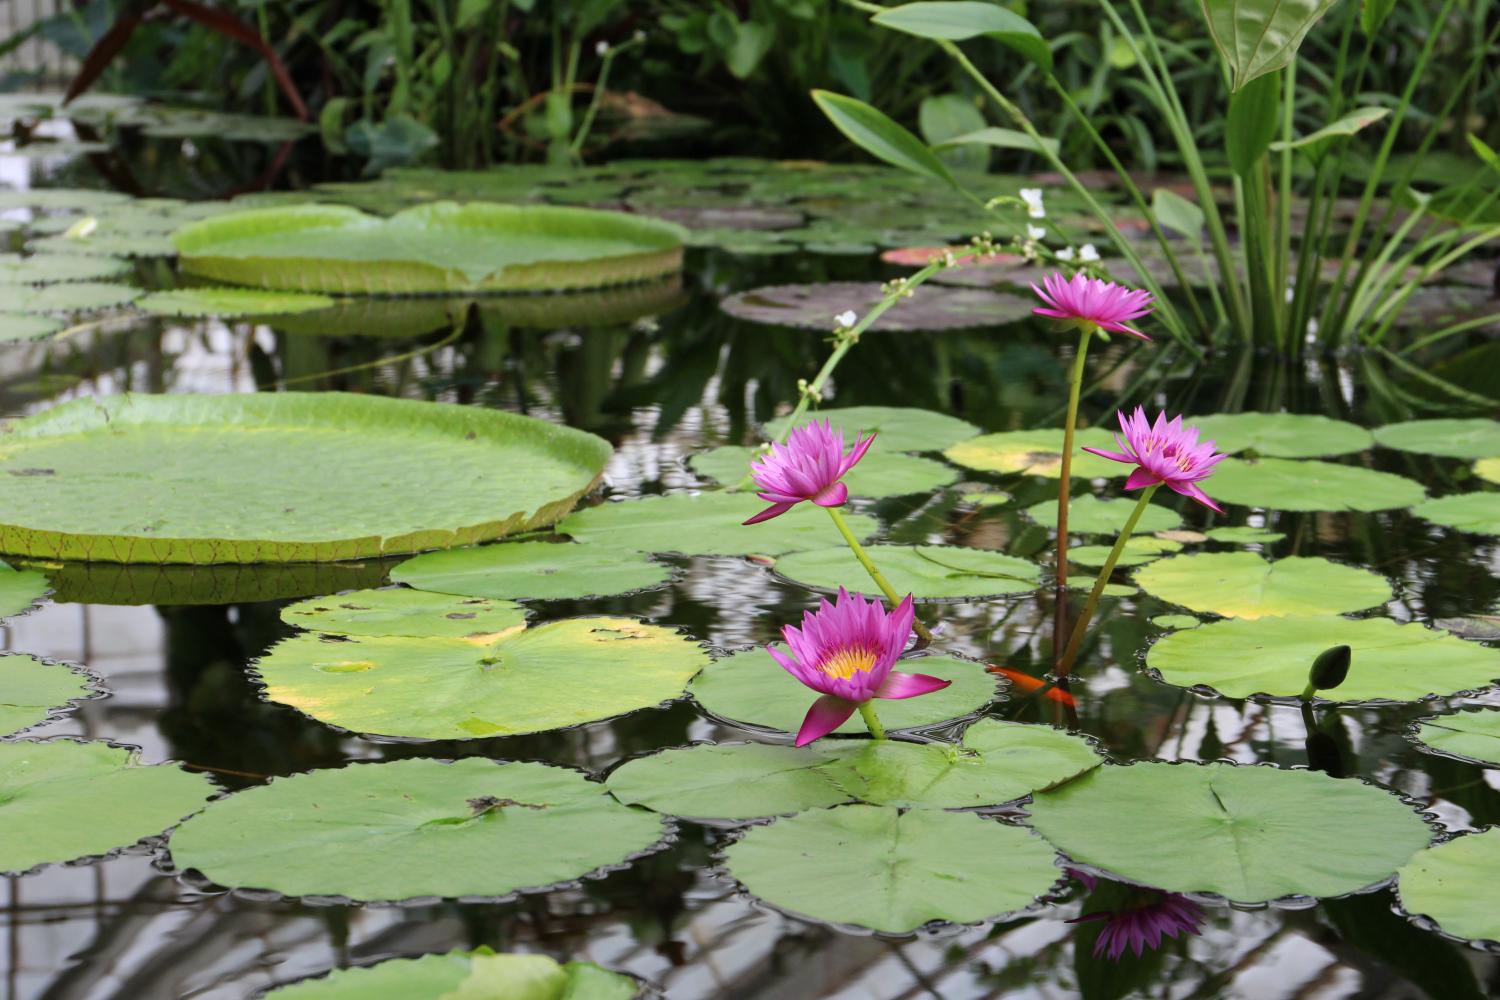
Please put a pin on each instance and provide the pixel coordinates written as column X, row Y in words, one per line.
column 1330, row 668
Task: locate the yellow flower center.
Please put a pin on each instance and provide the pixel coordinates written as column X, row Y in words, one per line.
column 847, row 662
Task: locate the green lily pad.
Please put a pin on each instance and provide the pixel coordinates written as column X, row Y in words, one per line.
column 893, row 871
column 1175, row 621
column 68, row 297
column 1037, row 453
column 931, row 307
column 1488, row 469
column 1285, row 484
column 280, row 477
column 1452, row 884
column 1138, row 551
column 106, row 244
column 135, row 584
column 1250, row 834
column 1473, row 438
column 1244, row 585
column 987, row 498
column 20, row 590
column 537, row 570
column 1473, row 736
column 46, row 269
column 1244, row 535
column 730, row 781
column 708, row 524
column 1282, row 435
column 480, row 974
column 1090, row 515
column 22, row 327
column 928, row 572
column 33, row 690
column 398, row 611
column 414, row 828
column 896, row 428
column 563, row 673
column 750, row 688
column 1271, row 656
column 230, row 302
column 63, row 800
column 1475, row 513
column 438, row 247
column 878, row 474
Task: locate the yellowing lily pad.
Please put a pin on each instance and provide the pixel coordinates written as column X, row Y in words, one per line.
column 928, row 572
column 896, row 428
column 1488, row 469
column 1038, row 453
column 1284, row 484
column 1244, row 585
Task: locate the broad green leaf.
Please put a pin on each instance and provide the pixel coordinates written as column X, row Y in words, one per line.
column 958, row 20
column 1484, row 151
column 1472, row 438
column 875, row 133
column 999, row 138
column 1256, row 37
column 1037, row 453
column 20, row 590
column 1281, row 435
column 68, row 297
column 33, row 690
column 47, row 269
column 1244, row 535
column 1250, row 834
column 1451, row 883
column 1251, row 123
column 750, row 688
column 896, row 428
column 1177, row 214
column 535, row 570
column 883, row 472
column 1243, row 585
column 230, row 302
column 1315, row 144
column 1372, row 14
column 708, row 524
column 399, row 611
column 752, row 41
column 931, row 307
column 465, row 975
column 1137, row 552
column 940, row 118
column 1472, row 735
column 1475, row 513
column 64, row 800
column 1271, row 656
column 928, row 572
column 414, row 828
column 730, row 781
column 20, row 327
column 1488, row 469
column 1091, row 515
column 563, row 673
column 1283, row 484
column 280, row 477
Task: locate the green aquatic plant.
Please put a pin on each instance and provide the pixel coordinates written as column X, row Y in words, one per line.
column 473, row 974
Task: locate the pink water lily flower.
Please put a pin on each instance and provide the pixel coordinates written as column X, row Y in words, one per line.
column 1164, row 452
column 808, row 467
column 1152, row 917
column 1095, row 301
column 845, row 652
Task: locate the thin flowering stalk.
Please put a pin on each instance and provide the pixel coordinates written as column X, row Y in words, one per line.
column 1081, row 626
column 1064, row 490
column 889, row 591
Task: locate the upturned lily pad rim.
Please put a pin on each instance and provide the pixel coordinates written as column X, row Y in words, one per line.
column 1413, row 734
column 1430, row 924
column 95, row 687
column 196, row 880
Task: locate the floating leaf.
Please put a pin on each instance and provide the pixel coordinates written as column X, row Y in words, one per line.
column 1484, row 628
column 1175, row 621
column 46, row 269
column 105, row 244
column 1473, row 736
column 928, row 572
column 750, row 688
column 68, row 799
column 931, row 307
column 436, row 247
column 1244, row 585
column 414, row 828
column 1475, row 513
column 61, row 199
column 1283, row 484
column 881, row 473
column 1272, row 656
column 987, row 498
column 1282, row 435
column 465, row 975
column 537, row 570
column 1090, row 515
column 20, row 590
column 280, row 477
column 398, row 611
column 13, row 327
column 1250, row 834
column 893, row 871
column 707, row 524
column 230, row 302
column 133, row 584
column 730, row 781
column 563, row 673
column 1474, row 438
column 1488, row 469
column 1244, row 535
column 1037, row 453
column 68, row 297
column 896, row 428
column 33, row 690
column 1138, row 551
column 1452, row 884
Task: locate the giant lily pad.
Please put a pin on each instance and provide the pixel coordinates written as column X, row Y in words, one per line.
column 931, row 307
column 283, row 477
column 1282, row 435
column 707, row 524
column 438, row 247
column 1090, row 515
column 928, row 572
column 414, row 828
column 896, row 428
column 1476, row 513
column 230, row 302
column 219, row 583
column 881, row 473
column 1472, row 736
column 1037, row 453
column 563, row 673
column 750, row 688
column 540, row 570
column 1271, row 656
column 893, row 871
column 465, row 975
column 1243, row 585
column 1284, row 484
column 1453, row 883
column 61, row 800
column 1474, row 438
column 1250, row 834
column 34, row 690
column 399, row 611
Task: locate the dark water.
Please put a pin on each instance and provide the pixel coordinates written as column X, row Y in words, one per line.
column 173, row 653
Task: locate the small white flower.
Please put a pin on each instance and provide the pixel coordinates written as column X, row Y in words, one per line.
column 1312, row 328
column 846, row 319
column 640, row 34
column 1087, row 253
column 1033, row 199
column 1035, row 232
column 601, row 48
column 1066, row 253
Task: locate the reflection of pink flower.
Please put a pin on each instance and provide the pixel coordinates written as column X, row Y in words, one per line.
column 1164, row 452
column 845, row 652
column 1093, row 300
column 808, row 467
column 1138, row 927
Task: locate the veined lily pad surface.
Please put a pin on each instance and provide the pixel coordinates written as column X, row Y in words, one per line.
column 1281, row 435
column 400, row 611
column 1475, row 513
column 414, row 828
column 1250, row 834
column 33, row 690
column 1451, row 883
column 1284, row 484
column 541, row 570
column 1037, row 453
column 1243, row 585
column 929, row 572
column 896, row 428
column 441, row 247
column 1471, row 735
column 283, row 477
column 465, row 975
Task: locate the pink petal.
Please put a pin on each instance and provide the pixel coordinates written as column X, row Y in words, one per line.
column 1113, row 456
column 1196, row 492
column 860, row 447
column 775, row 510
column 832, row 495
column 825, row 715
column 899, row 685
column 1142, row 477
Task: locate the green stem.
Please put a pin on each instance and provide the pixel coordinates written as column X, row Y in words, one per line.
column 1075, row 388
column 872, row 721
column 1065, row 665
column 870, row 568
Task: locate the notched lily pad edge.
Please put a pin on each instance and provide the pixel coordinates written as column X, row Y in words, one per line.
column 96, row 690
column 1036, row 585
column 1413, row 729
column 1430, row 924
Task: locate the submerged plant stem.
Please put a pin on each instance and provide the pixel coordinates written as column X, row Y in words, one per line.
column 1075, row 388
column 872, row 721
column 1065, row 665
column 870, row 567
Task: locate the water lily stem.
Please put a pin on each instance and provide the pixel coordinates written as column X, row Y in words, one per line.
column 1065, row 665
column 1075, row 389
column 872, row 721
column 875, row 574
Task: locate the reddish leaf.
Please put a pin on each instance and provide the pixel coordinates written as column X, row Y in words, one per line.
column 103, row 52
column 228, row 25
